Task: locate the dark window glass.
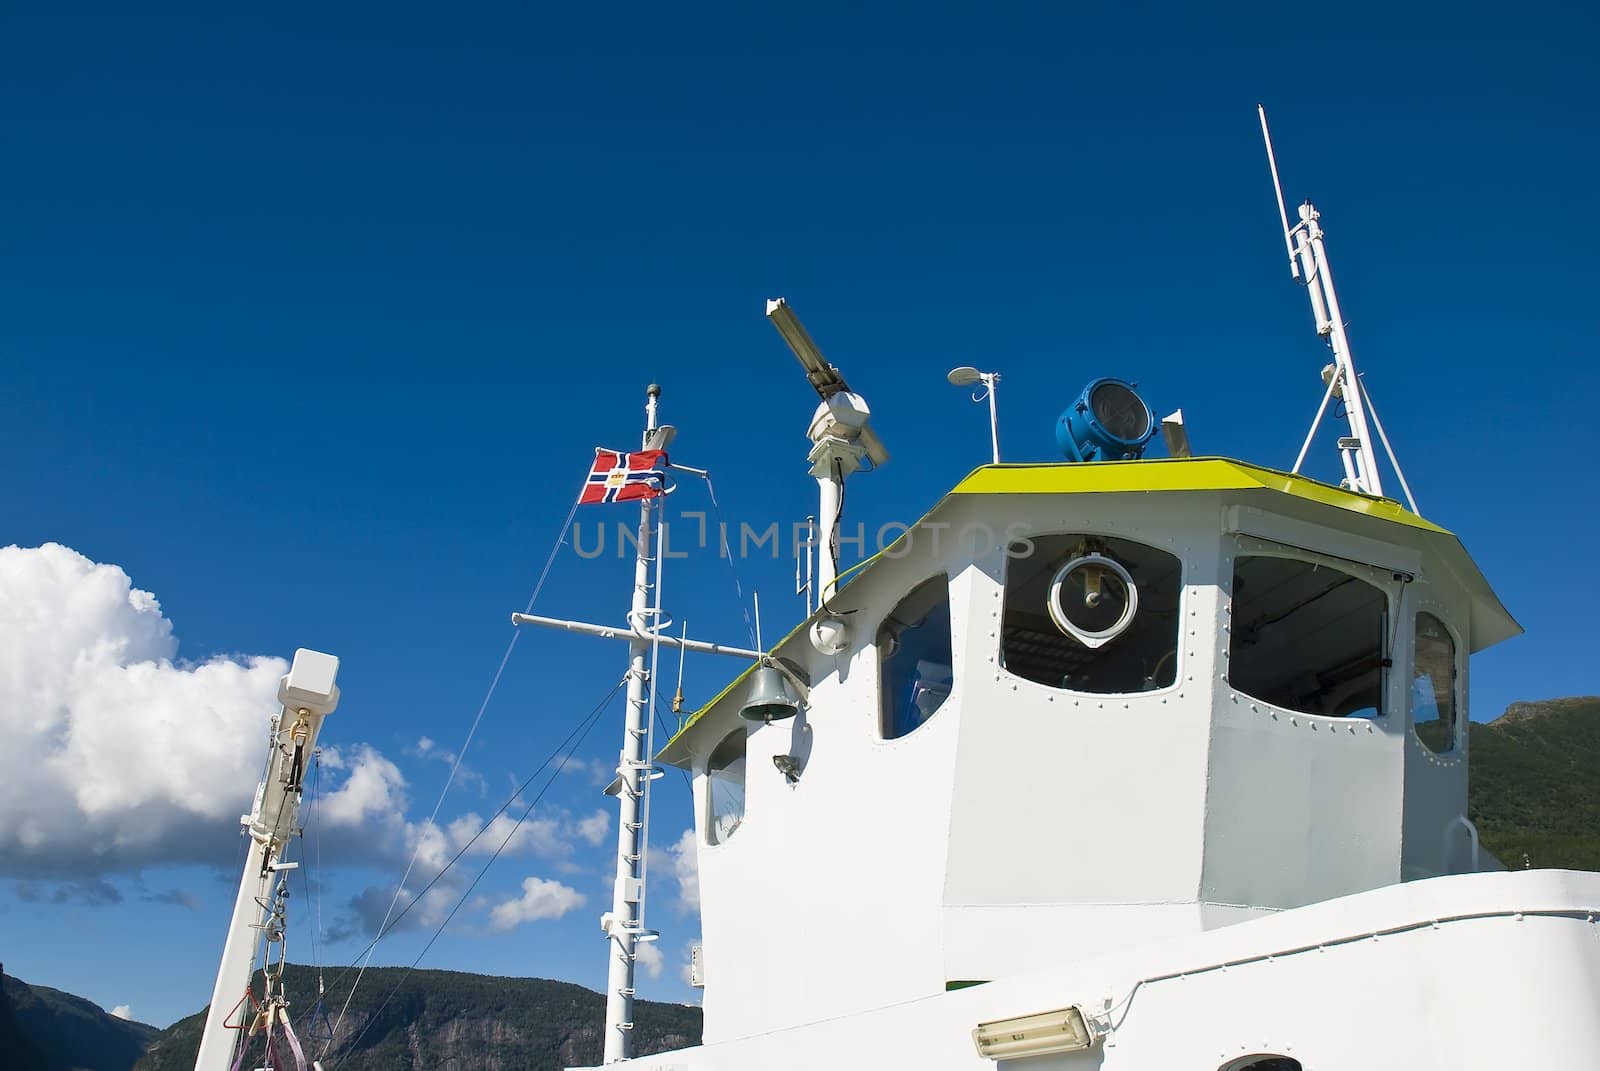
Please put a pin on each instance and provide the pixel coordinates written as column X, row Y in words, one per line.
column 1306, row 636
column 1433, row 684
column 1089, row 641
column 914, row 654
column 725, row 787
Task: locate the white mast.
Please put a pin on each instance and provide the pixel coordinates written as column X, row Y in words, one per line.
column 624, row 923
column 308, row 695
column 1308, row 259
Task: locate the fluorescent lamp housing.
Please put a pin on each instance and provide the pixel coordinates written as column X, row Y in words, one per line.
column 1064, row 1030
column 965, row 376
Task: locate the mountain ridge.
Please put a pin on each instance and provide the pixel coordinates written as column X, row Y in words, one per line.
column 417, row 1018
column 68, row 1032
column 1534, row 787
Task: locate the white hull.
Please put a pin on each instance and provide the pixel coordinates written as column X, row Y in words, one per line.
column 1472, row 971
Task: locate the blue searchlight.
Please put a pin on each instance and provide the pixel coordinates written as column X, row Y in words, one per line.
column 1108, row 422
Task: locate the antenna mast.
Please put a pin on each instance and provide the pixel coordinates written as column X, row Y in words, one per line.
column 308, row 695
column 624, row 923
column 1308, row 260
column 841, row 438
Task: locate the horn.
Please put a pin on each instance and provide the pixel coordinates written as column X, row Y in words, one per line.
column 769, row 697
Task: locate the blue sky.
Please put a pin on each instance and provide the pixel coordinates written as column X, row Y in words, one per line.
column 311, row 319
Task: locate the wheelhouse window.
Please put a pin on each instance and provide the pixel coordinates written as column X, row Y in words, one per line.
column 725, row 787
column 914, row 658
column 1092, row 614
column 1307, row 636
column 1433, row 684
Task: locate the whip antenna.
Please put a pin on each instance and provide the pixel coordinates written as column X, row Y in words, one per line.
column 1277, row 188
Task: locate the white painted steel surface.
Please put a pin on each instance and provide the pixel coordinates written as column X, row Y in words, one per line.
column 308, row 694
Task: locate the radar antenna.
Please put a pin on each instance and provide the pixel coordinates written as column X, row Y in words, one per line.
column 1308, row 259
column 841, row 436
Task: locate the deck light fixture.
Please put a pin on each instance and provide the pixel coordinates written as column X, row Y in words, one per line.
column 1064, row 1030
column 966, row 376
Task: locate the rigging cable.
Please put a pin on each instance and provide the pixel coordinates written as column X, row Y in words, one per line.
column 727, row 553
column 564, row 752
column 461, row 753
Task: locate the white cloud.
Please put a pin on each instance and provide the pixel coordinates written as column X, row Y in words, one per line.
column 118, row 755
column 115, row 755
column 122, row 1011
column 594, row 828
column 686, row 869
column 679, row 859
column 598, row 772
column 428, row 748
column 373, row 788
column 541, row 835
column 647, row 954
column 540, row 899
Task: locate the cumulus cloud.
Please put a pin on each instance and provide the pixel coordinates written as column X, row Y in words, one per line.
column 177, row 897
column 377, row 906
column 435, row 846
column 93, row 892
column 540, row 899
column 594, row 828
column 373, row 788
column 647, row 954
column 686, row 871
column 122, row 1011
column 118, row 755
column 427, row 748
column 598, row 772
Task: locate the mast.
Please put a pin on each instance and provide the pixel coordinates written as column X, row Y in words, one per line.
column 624, row 923
column 1308, row 260
column 308, row 694
column 841, row 435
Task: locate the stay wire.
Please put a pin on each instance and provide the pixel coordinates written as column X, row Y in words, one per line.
column 306, row 863
column 564, row 751
column 727, row 553
column 455, row 766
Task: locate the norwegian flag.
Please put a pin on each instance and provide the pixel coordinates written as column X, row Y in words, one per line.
column 617, row 477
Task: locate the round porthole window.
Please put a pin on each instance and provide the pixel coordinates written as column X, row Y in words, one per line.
column 1093, row 599
column 1262, row 1062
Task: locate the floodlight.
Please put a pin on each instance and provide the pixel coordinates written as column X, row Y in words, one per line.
column 965, row 376
column 1065, row 1030
column 1108, row 422
column 788, row 767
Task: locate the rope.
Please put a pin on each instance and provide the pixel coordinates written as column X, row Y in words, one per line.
column 564, row 751
column 727, row 553
column 462, row 751
column 294, row 1042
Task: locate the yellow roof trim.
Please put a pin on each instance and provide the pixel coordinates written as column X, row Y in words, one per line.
column 1184, row 474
